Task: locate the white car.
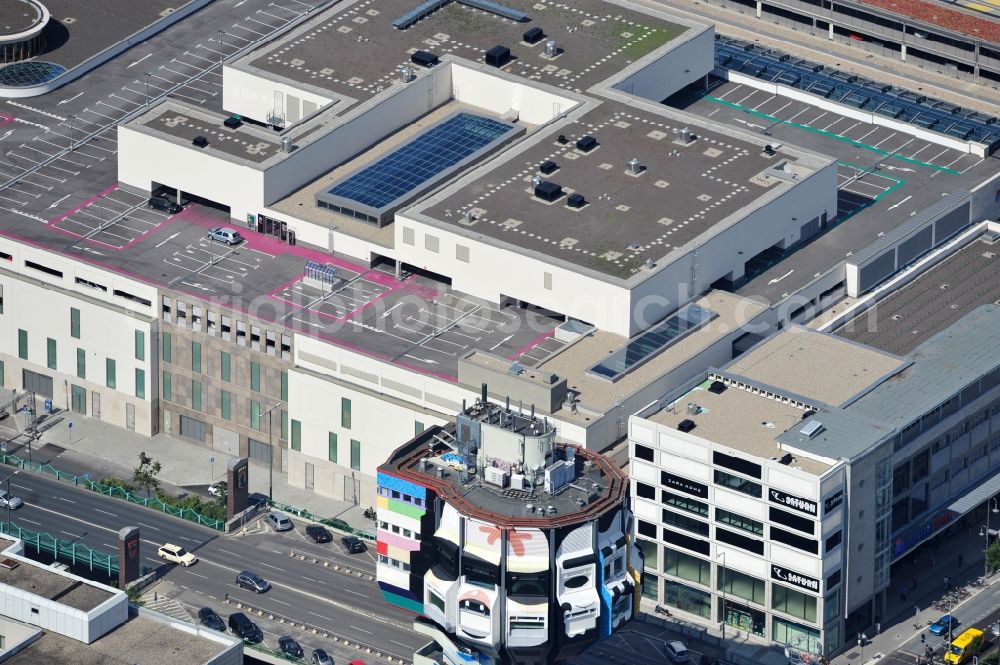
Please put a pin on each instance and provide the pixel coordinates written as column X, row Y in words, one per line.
column 218, row 489
column 10, row 501
column 677, row 652
column 176, row 554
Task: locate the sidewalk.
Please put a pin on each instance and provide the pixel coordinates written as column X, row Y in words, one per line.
column 101, row 449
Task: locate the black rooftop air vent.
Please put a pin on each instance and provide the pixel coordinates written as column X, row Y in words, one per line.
column 200, row 141
column 786, row 459
column 233, row 121
column 547, row 167
column 686, row 425
column 498, row 56
column 548, row 190
column 576, row 201
column 717, row 387
column 810, row 412
column 533, row 36
column 562, row 139
column 586, row 143
column 424, row 58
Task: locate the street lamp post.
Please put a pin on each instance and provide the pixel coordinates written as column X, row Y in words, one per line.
column 222, row 42
column 270, row 443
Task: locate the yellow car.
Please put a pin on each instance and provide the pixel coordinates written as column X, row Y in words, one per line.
column 176, row 554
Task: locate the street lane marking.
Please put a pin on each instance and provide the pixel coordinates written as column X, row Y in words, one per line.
column 148, row 526
column 98, row 510
column 362, row 630
column 321, row 616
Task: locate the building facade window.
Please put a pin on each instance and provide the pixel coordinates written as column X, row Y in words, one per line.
column 224, row 366
column 22, row 344
column 140, row 345
column 192, row 428
column 74, row 323
column 644, row 453
column 167, row 349
column 687, row 599
column 739, row 522
column 140, row 383
column 355, row 454
column 742, row 485
column 345, row 413
column 684, row 503
column 195, row 357
column 51, row 356
column 226, row 404
column 687, row 567
column 793, row 603
column 259, row 451
column 255, row 376
column 255, row 415
column 296, row 435
column 741, row 585
column 644, row 491
column 284, row 386
column 81, row 364
column 110, row 371
column 168, row 388
column 804, row 639
column 331, row 446
column 196, row 395
column 685, row 523
column 284, row 425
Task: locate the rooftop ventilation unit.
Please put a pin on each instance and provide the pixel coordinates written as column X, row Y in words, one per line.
column 424, row 58
column 536, row 181
column 495, row 476
column 406, row 74
column 772, row 148
column 811, row 428
column 498, row 56
column 533, row 35
column 693, row 409
column 634, row 167
column 467, row 216
column 233, row 121
column 586, row 143
column 551, row 48
column 685, row 135
column 200, row 141
column 807, row 414
column 286, row 144
column 686, row 425
column 576, row 200
column 717, row 388
column 649, row 264
column 548, row 191
column 562, row 139
column 786, row 459
column 547, row 167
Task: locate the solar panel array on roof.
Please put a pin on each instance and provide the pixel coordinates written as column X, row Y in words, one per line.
column 638, row 350
column 422, row 159
column 860, row 93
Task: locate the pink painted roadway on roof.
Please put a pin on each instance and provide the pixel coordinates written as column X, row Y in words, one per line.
column 532, row 344
column 5, row 119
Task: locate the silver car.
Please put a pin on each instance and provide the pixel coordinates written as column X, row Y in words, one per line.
column 10, row 501
column 225, row 235
column 279, row 521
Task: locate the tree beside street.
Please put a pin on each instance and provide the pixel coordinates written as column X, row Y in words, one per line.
column 144, row 475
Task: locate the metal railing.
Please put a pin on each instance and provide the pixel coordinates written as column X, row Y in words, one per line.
column 85, row 480
column 71, row 552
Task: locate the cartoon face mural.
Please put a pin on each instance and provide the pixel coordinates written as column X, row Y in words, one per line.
column 475, row 610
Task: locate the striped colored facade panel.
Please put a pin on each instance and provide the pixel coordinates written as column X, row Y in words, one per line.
column 403, row 486
column 400, row 507
column 397, row 541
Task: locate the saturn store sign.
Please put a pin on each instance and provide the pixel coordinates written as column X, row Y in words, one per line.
column 782, row 574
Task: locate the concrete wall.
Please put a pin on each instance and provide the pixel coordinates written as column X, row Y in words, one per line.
column 144, row 159
column 366, row 126
column 40, row 303
column 684, row 64
column 256, row 97
column 490, row 89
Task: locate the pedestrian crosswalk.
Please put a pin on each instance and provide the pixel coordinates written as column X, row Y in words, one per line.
column 158, row 602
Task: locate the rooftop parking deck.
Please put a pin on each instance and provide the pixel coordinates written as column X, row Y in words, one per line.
column 355, row 51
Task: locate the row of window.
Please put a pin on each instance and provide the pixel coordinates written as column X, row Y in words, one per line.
column 296, row 444
column 395, row 563
column 224, row 366
column 400, row 496
column 222, row 325
column 110, row 364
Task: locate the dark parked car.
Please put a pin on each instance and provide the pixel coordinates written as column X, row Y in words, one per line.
column 318, row 533
column 353, row 544
column 290, row 647
column 252, row 581
column 241, row 626
column 321, row 658
column 164, row 204
column 208, row 618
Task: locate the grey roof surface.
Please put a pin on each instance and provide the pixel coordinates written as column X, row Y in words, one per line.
column 353, row 50
column 245, row 142
column 55, row 586
column 815, row 365
column 930, row 303
column 17, row 16
column 682, row 190
column 97, row 25
column 942, row 366
column 139, row 641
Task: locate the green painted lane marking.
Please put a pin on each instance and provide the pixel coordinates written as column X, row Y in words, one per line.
column 898, row 182
column 831, row 135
